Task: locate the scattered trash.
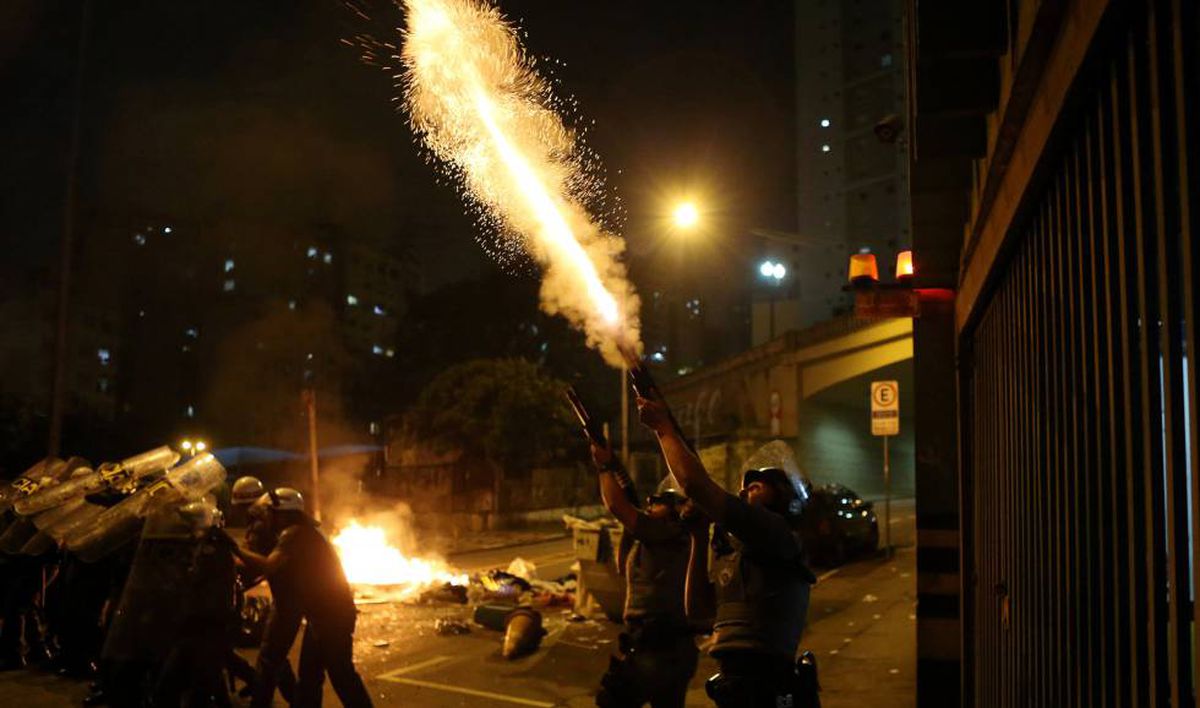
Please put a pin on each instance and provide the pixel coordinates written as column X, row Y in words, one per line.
column 576, row 617
column 893, row 671
column 451, row 627
column 446, row 592
column 876, row 616
column 381, row 644
column 504, row 584
column 522, row 568
column 553, row 599
column 523, row 633
column 493, row 616
column 870, row 598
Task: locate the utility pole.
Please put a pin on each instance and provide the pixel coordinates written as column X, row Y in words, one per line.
column 58, row 384
column 310, row 403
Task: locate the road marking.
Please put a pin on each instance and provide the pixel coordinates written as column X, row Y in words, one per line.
column 469, row 692
column 827, row 574
column 398, row 676
column 414, row 667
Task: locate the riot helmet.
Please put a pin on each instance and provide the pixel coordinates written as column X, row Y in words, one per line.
column 669, row 492
column 246, row 491
column 775, row 464
column 285, row 499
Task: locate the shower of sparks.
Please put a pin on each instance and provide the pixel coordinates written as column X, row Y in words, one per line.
column 478, row 105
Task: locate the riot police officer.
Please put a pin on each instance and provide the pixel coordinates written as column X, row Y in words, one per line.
column 308, row 583
column 760, row 583
column 658, row 650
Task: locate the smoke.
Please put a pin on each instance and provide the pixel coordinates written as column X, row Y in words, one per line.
column 477, row 103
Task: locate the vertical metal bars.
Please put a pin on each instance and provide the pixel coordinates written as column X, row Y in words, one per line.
column 1081, row 440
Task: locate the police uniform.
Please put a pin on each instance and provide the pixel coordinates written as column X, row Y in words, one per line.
column 658, row 650
column 312, row 585
column 762, row 589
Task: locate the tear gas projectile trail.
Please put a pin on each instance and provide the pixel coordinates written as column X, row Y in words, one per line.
column 477, row 103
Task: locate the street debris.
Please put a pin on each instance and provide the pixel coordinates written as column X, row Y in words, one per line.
column 451, row 627
column 446, row 592
column 382, row 643
column 526, row 570
column 523, row 633
column 870, row 598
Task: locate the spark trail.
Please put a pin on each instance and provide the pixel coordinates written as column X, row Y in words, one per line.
column 477, row 103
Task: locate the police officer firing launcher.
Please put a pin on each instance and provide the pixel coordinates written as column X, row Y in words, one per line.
column 758, row 594
column 659, row 652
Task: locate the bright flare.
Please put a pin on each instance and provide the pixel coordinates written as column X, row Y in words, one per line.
column 368, row 559
column 475, row 100
column 686, row 215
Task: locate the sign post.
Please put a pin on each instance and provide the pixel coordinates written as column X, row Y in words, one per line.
column 885, row 422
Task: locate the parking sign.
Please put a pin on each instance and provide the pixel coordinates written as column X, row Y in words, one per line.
column 885, row 408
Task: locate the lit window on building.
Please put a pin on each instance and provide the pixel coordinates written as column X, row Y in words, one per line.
column 228, row 264
column 351, row 300
column 825, row 148
column 192, row 332
column 190, row 411
column 186, row 348
column 141, row 313
column 379, row 310
column 166, row 229
column 291, row 304
column 312, row 252
column 102, row 384
column 390, row 353
column 377, row 350
column 885, row 60
column 104, row 356
column 139, row 239
column 229, row 286
column 373, row 428
column 328, row 258
column 824, row 122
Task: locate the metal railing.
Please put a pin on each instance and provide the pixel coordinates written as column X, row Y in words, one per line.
column 1079, row 401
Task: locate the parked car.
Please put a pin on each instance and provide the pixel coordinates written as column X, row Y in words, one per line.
column 837, row 525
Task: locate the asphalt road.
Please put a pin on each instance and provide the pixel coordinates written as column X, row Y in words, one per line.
column 861, row 626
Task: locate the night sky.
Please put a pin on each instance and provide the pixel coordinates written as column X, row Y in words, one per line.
column 210, row 111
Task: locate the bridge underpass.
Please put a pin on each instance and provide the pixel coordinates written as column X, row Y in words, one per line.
column 810, row 388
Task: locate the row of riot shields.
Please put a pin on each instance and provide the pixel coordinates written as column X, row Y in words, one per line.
column 177, row 598
column 92, row 512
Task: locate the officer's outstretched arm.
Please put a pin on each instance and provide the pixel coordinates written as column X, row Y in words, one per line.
column 699, row 599
column 683, row 463
column 257, row 563
column 614, row 496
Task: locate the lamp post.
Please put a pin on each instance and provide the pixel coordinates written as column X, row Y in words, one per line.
column 773, row 272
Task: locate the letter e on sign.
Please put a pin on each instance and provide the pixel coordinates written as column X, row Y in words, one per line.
column 885, row 408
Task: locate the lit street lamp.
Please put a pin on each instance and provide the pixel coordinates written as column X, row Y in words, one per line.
column 686, row 216
column 191, row 448
column 774, row 272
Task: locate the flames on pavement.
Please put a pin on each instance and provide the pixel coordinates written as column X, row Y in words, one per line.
column 369, row 559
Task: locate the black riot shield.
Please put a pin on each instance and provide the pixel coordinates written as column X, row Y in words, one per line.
column 181, row 583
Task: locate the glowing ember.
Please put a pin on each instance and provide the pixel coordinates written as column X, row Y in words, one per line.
column 368, row 559
column 476, row 101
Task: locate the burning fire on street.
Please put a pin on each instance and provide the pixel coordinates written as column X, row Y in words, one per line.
column 368, row 559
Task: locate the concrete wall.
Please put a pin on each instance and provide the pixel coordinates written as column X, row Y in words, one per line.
column 837, row 447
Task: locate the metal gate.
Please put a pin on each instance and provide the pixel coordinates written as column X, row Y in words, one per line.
column 1079, row 425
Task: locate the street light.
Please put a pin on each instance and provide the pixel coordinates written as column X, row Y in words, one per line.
column 774, row 272
column 686, row 216
column 191, row 448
